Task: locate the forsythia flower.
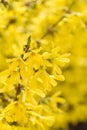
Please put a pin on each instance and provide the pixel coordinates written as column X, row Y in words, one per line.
column 29, row 79
column 31, row 94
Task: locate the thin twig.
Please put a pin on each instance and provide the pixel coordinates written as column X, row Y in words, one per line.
column 50, row 28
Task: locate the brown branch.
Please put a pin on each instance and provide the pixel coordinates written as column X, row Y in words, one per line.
column 30, row 4
column 50, row 28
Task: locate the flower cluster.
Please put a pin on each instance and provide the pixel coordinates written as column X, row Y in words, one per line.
column 31, row 94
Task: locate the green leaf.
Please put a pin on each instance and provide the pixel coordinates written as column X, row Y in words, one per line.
column 29, row 40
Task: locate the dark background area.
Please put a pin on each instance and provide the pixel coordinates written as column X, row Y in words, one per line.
column 80, row 126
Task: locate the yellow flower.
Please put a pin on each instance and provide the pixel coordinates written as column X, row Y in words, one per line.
column 15, row 112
